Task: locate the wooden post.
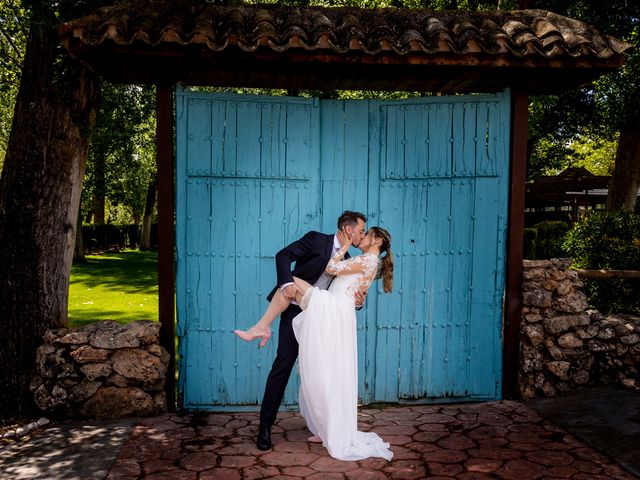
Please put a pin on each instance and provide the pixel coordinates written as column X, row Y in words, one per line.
column 513, row 297
column 166, row 231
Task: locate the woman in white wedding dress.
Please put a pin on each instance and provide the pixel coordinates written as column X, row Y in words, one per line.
column 328, row 357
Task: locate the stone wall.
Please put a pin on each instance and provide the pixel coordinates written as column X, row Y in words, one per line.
column 102, row 370
column 564, row 345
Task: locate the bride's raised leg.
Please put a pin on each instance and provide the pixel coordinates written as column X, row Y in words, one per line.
column 278, row 304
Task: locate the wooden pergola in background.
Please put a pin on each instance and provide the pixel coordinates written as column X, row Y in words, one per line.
column 271, row 46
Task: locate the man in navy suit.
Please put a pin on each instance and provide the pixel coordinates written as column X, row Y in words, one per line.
column 311, row 253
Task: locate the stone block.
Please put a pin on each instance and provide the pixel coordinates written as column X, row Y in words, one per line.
column 74, row 338
column 139, row 365
column 146, row 331
column 572, row 303
column 553, row 349
column 598, row 345
column 537, row 298
column 83, row 390
column 630, row 339
column 623, row 329
column 96, row 370
column 117, row 380
column 113, row 340
column 562, row 264
column 559, row 369
column 549, row 389
column 76, row 370
column 114, row 402
column 569, row 340
column 606, row 333
column 535, row 333
column 580, row 377
column 533, row 274
column 536, row 264
column 564, row 288
column 557, row 275
column 562, row 323
column 86, row 354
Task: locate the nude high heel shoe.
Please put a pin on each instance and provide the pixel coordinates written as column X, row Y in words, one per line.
column 253, row 333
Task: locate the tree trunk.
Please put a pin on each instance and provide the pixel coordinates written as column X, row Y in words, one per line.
column 623, row 190
column 39, row 199
column 98, row 202
column 145, row 237
column 78, row 253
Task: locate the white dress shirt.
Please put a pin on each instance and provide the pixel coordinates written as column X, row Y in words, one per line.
column 325, row 279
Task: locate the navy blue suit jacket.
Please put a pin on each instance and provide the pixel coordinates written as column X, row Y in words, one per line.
column 311, row 253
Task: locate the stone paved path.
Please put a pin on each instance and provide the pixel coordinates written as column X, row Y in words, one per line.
column 505, row 440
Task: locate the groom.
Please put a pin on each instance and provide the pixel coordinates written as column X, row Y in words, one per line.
column 311, row 253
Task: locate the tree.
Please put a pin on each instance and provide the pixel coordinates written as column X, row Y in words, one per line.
column 145, row 237
column 39, row 196
column 13, row 34
column 609, row 108
column 121, row 157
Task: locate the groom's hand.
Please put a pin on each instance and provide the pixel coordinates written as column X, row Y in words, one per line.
column 343, row 237
column 290, row 291
column 359, row 297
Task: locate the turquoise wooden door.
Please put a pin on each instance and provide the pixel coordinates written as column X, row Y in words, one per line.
column 442, row 191
column 254, row 173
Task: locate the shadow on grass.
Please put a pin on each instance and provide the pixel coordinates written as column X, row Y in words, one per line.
column 115, row 286
column 80, row 318
column 129, row 271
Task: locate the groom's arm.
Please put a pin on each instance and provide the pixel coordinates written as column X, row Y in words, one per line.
column 291, row 253
column 359, row 297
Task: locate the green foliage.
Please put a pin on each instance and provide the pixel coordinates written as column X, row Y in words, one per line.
column 605, row 240
column 529, row 251
column 595, row 113
column 14, row 27
column 596, row 154
column 122, row 149
column 610, row 241
column 545, row 240
column 102, row 237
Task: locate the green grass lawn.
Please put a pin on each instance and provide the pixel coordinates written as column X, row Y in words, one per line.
column 114, row 286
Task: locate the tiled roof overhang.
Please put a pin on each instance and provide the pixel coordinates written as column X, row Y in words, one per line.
column 340, row 48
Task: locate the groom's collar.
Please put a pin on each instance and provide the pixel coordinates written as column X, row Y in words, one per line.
column 336, row 242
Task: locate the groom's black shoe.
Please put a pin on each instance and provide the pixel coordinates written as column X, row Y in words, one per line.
column 264, row 437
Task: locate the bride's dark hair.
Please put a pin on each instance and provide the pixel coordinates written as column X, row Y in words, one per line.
column 386, row 263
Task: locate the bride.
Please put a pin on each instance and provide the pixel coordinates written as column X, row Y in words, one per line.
column 328, row 358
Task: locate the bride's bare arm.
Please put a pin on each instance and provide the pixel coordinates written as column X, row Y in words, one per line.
column 303, row 287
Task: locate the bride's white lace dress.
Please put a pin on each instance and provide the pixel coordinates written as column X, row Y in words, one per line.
column 328, row 361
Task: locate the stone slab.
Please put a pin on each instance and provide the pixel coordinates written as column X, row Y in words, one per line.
column 608, row 419
column 69, row 450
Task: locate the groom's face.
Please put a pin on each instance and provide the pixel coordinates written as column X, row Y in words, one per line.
column 359, row 231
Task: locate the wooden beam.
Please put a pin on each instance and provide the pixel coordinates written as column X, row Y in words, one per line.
column 609, row 274
column 166, row 240
column 515, row 240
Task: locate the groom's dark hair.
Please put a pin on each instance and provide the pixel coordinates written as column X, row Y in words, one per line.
column 350, row 218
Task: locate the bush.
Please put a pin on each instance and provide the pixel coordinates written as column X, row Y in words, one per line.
column 611, row 241
column 530, row 243
column 545, row 240
column 110, row 235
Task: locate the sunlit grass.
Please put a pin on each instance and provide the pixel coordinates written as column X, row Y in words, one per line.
column 114, row 286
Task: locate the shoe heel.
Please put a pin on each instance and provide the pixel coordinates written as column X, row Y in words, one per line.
column 264, row 339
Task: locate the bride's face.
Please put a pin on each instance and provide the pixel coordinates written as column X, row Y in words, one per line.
column 367, row 241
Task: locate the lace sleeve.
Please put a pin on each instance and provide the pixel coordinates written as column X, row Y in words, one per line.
column 369, row 270
column 365, row 264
